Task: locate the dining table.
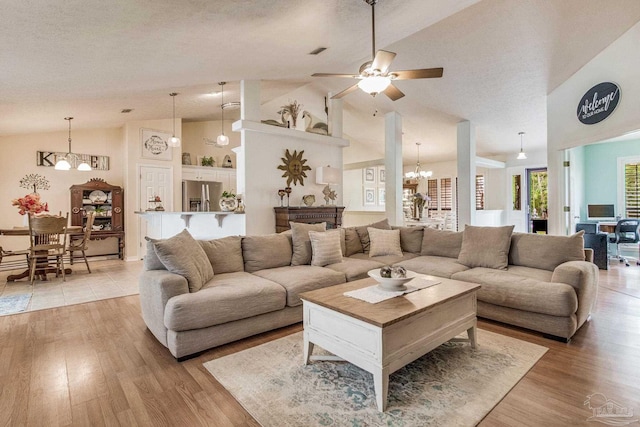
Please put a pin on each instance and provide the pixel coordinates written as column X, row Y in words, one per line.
column 41, row 270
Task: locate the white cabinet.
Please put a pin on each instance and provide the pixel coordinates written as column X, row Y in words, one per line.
column 224, row 175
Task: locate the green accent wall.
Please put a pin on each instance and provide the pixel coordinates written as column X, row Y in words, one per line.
column 600, row 169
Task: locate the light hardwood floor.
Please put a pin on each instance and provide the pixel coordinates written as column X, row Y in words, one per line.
column 97, row 364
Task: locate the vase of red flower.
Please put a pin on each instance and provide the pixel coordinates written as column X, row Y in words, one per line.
column 30, row 203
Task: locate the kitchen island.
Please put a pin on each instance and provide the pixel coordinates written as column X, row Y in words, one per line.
column 201, row 225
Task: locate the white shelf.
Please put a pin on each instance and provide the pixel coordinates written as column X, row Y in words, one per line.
column 286, row 132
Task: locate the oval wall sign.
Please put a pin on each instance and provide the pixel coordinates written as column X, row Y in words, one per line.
column 598, row 103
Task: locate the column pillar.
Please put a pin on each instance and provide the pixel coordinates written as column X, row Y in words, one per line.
column 393, row 167
column 250, row 100
column 335, row 116
column 466, row 206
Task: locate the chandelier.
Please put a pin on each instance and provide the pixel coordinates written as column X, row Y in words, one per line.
column 64, row 163
column 418, row 173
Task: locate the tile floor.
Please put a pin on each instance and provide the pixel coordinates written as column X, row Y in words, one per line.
column 109, row 279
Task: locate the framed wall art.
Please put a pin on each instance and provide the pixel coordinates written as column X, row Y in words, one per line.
column 369, row 175
column 369, row 198
column 155, row 145
column 381, row 175
column 381, row 196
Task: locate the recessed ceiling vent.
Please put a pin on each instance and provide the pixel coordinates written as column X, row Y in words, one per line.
column 126, row 110
column 317, row 51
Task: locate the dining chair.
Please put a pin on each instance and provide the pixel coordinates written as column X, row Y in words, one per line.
column 48, row 240
column 13, row 263
column 82, row 245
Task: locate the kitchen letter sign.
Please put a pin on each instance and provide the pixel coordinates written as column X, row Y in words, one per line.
column 598, row 103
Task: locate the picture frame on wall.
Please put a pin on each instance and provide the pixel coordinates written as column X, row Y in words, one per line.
column 155, row 145
column 381, row 196
column 369, row 197
column 369, row 175
column 381, row 174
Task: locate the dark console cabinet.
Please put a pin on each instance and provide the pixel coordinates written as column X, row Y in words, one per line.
column 332, row 215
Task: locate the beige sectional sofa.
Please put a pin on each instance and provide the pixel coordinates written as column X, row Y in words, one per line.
column 200, row 294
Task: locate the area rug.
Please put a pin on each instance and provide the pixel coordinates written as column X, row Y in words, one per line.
column 452, row 385
column 14, row 304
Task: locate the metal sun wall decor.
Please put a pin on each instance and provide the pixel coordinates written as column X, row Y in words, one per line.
column 50, row 158
column 294, row 167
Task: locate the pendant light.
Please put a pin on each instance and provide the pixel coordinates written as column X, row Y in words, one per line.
column 522, row 155
column 64, row 164
column 174, row 141
column 418, row 173
column 222, row 138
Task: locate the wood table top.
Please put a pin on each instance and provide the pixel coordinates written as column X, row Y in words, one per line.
column 393, row 310
column 24, row 231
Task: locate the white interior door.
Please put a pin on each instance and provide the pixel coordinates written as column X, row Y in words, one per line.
column 154, row 181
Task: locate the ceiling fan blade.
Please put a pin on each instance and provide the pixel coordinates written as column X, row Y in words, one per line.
column 347, row 91
column 393, row 92
column 382, row 61
column 351, row 76
column 424, row 73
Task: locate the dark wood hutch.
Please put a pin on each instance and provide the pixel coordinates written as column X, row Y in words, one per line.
column 107, row 201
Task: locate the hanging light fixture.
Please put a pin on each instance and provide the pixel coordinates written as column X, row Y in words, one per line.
column 64, row 164
column 174, row 141
column 222, row 138
column 522, row 155
column 418, row 173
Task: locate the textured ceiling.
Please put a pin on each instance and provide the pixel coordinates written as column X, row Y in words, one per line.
column 91, row 58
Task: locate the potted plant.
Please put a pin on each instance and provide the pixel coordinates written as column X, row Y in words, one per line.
column 228, row 201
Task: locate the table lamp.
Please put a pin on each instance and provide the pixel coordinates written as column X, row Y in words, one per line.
column 328, row 175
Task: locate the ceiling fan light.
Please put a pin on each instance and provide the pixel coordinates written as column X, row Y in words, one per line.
column 222, row 139
column 374, row 84
column 62, row 165
column 174, row 141
column 84, row 167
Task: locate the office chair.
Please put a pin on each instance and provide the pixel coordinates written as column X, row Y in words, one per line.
column 626, row 232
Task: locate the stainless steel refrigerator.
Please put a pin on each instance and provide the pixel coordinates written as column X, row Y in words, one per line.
column 201, row 196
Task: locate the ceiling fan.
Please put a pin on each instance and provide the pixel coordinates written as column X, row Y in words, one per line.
column 375, row 76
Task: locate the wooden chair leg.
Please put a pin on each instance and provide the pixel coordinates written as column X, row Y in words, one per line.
column 61, row 258
column 86, row 261
column 33, row 269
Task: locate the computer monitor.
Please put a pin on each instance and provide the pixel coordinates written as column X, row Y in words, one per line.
column 601, row 212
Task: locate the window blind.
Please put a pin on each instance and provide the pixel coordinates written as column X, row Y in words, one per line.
column 445, row 194
column 479, row 192
column 632, row 190
column 432, row 192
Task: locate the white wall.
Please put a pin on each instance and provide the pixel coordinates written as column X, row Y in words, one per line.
column 193, row 134
column 618, row 63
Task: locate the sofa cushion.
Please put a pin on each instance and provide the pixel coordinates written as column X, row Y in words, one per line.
column 151, row 260
column 301, row 278
column 325, row 247
column 266, row 251
column 219, row 301
column 441, row 243
column 486, row 246
column 301, row 244
column 363, row 234
column 410, row 238
column 225, row 254
column 386, row 259
column 352, row 242
column 511, row 290
column 545, row 251
column 183, row 255
column 532, row 273
column 354, row 268
column 434, row 265
column 384, row 242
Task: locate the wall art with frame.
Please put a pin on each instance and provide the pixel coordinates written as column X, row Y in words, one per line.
column 155, row 145
column 369, row 197
column 369, row 175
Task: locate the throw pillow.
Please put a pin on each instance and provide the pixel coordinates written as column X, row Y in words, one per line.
column 441, row 243
column 410, row 238
column 325, row 247
column 266, row 251
column 151, row 260
column 225, row 254
column 364, row 234
column 545, row 251
column 183, row 255
column 352, row 242
column 486, row 247
column 384, row 242
column 300, row 241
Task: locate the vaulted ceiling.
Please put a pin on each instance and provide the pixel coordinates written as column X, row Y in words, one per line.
column 501, row 58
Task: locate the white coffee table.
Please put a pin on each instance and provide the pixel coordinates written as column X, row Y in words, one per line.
column 382, row 338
